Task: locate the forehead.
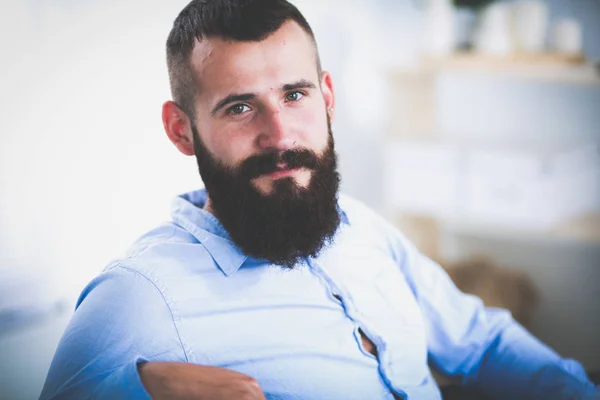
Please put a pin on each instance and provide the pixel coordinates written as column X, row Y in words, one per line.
column 285, row 56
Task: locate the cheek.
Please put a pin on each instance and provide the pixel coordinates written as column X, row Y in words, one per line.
column 231, row 146
column 314, row 128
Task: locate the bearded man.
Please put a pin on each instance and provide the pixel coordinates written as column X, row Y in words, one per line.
column 269, row 283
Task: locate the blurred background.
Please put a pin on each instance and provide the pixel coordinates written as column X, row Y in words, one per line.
column 473, row 125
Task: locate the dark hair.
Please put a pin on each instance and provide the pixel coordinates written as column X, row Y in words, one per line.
column 240, row 20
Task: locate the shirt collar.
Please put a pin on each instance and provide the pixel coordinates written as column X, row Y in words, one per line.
column 187, row 211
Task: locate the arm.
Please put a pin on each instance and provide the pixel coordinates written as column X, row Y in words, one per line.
column 485, row 347
column 121, row 319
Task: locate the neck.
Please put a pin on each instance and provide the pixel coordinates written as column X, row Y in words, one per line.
column 208, row 206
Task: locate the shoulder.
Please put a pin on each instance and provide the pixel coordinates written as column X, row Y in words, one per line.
column 362, row 216
column 370, row 226
column 163, row 254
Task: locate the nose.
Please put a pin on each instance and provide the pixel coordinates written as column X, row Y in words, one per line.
column 275, row 133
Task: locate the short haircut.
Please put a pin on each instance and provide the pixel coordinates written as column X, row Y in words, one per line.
column 239, row 20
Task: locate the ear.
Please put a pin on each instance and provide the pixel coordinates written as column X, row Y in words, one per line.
column 328, row 94
column 178, row 128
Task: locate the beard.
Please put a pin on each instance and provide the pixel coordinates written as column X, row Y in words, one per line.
column 286, row 225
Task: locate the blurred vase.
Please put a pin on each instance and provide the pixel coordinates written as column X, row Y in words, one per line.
column 493, row 34
column 567, row 37
column 530, row 24
column 439, row 27
column 464, row 27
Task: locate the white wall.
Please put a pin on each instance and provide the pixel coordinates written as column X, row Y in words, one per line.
column 85, row 164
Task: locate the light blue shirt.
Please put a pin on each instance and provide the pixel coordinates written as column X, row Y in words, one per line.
column 184, row 292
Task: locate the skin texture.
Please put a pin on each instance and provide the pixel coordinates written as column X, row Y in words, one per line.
column 272, row 116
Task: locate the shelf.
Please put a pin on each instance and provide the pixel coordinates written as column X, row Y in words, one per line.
column 417, row 120
column 474, row 60
column 545, row 67
column 584, row 229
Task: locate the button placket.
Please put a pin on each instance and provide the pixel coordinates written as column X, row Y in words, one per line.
column 383, row 358
column 346, row 301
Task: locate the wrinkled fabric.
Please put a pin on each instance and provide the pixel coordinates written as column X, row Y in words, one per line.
column 185, row 293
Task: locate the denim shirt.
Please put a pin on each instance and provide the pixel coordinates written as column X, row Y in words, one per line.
column 184, row 292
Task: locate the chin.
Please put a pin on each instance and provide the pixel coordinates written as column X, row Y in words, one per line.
column 266, row 186
column 281, row 187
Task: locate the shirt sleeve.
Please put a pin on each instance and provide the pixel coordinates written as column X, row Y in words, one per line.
column 485, row 347
column 121, row 319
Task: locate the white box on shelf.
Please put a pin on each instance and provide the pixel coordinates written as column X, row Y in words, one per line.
column 529, row 189
column 504, row 187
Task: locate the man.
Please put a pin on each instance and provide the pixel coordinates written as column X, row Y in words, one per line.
column 268, row 284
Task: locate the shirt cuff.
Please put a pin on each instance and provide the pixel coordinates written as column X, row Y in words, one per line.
column 565, row 380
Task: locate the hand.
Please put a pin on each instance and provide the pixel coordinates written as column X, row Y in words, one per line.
column 181, row 381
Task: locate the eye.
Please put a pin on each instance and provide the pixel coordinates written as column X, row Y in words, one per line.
column 237, row 109
column 294, row 96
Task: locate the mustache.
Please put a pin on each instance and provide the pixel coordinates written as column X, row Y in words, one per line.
column 267, row 163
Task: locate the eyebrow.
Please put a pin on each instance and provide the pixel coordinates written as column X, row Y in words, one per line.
column 301, row 84
column 232, row 98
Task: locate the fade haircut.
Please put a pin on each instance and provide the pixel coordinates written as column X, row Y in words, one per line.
column 239, row 20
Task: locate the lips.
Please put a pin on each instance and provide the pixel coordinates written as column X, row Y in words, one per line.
column 282, row 173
